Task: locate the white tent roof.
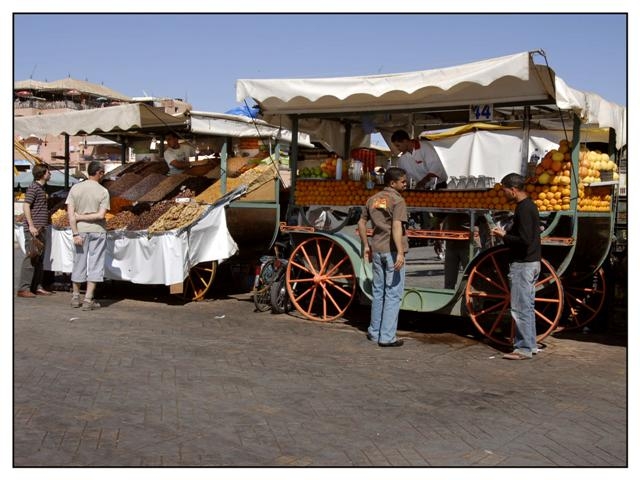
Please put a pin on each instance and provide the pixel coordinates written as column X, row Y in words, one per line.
column 509, row 80
column 238, row 126
column 107, row 119
column 143, row 117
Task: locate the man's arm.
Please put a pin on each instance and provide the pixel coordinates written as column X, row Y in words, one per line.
column 172, row 160
column 396, row 235
column 71, row 213
column 91, row 217
column 362, row 232
column 26, row 209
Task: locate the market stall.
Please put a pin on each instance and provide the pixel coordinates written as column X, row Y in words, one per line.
column 531, row 107
column 142, row 195
column 129, row 254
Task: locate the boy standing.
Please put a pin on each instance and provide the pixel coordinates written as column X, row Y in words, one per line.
column 387, row 212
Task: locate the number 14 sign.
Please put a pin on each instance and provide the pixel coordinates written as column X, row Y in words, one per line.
column 481, row 112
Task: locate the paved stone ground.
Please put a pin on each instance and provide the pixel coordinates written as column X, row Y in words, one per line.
column 147, row 381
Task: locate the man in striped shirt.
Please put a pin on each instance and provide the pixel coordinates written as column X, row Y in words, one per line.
column 36, row 219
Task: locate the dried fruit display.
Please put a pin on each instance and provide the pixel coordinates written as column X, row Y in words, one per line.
column 196, row 184
column 120, row 220
column 149, row 167
column 145, row 185
column 252, row 177
column 117, row 204
column 59, row 218
column 168, row 187
column 122, row 184
column 178, row 216
column 147, row 217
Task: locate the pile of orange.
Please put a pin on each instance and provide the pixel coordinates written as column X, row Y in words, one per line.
column 594, row 199
column 548, row 198
column 348, row 192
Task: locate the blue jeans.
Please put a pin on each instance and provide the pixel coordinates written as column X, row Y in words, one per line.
column 522, row 278
column 387, row 290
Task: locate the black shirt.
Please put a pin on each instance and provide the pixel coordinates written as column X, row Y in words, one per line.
column 523, row 238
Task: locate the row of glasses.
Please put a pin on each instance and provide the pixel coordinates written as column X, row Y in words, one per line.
column 470, row 182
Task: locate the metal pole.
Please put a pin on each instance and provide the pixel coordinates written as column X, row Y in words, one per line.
column 66, row 161
column 123, row 151
column 347, row 141
column 575, row 172
column 293, row 162
column 524, row 161
column 227, row 147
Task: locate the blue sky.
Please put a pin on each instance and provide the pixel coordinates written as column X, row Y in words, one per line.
column 198, row 57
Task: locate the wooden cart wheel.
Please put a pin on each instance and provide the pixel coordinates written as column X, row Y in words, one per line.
column 488, row 298
column 199, row 280
column 320, row 279
column 326, row 219
column 584, row 299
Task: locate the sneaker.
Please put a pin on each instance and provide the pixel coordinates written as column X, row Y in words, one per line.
column 398, row 343
column 90, row 305
column 516, row 356
column 75, row 302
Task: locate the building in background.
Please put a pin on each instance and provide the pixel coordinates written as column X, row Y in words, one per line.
column 32, row 97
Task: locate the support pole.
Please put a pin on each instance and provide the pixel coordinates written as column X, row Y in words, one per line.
column 66, row 161
column 123, row 151
column 347, row 141
column 293, row 162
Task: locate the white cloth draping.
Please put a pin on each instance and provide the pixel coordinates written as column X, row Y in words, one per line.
column 136, row 257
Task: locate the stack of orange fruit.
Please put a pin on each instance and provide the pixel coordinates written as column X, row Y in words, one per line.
column 348, row 192
column 594, row 199
column 548, row 198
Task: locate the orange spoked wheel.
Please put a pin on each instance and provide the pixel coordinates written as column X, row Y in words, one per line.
column 199, row 280
column 488, row 298
column 320, row 279
column 584, row 299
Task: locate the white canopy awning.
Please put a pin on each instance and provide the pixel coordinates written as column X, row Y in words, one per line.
column 108, row 119
column 238, row 126
column 509, row 80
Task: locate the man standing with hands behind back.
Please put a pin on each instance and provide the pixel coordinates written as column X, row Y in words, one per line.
column 87, row 205
column 387, row 211
column 523, row 241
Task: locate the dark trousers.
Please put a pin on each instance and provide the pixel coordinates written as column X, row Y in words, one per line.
column 32, row 268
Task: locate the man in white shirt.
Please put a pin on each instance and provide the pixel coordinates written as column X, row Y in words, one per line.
column 176, row 155
column 420, row 160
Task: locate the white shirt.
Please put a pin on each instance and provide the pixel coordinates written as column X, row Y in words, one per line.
column 183, row 152
column 424, row 159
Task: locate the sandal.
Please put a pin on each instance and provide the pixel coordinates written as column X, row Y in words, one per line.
column 89, row 305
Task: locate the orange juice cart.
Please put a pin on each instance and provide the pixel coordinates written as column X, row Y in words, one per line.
column 573, row 184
